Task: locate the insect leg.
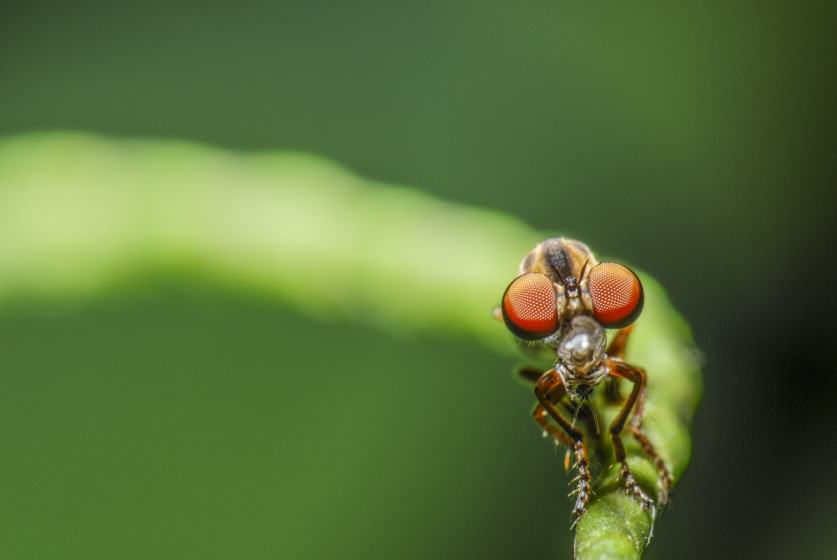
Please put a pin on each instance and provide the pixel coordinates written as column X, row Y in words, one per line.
column 664, row 480
column 620, row 369
column 531, row 375
column 549, row 429
column 528, row 374
column 550, row 390
column 616, row 349
column 555, row 394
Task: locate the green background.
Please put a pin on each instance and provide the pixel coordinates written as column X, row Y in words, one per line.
column 183, row 421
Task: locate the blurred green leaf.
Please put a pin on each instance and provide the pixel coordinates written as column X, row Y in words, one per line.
column 80, row 215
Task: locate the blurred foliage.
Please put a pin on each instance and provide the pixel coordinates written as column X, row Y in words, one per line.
column 81, row 214
column 695, row 140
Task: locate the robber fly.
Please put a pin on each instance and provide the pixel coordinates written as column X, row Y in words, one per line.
column 562, row 302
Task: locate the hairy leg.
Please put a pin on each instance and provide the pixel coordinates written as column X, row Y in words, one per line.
column 616, row 349
column 637, row 377
column 529, row 374
column 549, row 390
column 664, row 480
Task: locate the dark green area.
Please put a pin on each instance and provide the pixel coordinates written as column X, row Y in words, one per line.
column 198, row 425
column 695, row 141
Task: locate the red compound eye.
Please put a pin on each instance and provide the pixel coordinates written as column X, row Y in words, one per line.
column 529, row 306
column 616, row 294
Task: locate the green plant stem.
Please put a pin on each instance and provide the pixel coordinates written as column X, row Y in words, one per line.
column 81, row 214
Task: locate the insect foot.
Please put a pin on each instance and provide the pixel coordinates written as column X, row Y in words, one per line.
column 633, row 489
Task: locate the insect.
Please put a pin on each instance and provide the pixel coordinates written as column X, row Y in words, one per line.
column 560, row 304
